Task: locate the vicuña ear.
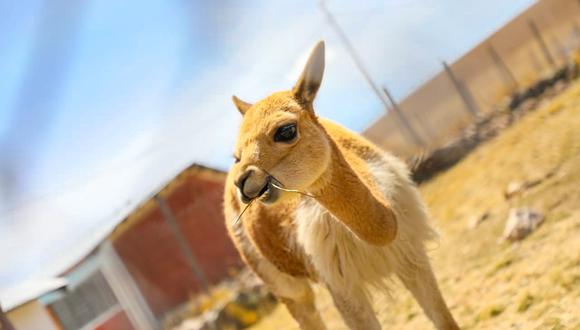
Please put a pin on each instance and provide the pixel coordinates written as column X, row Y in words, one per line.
column 241, row 105
column 310, row 79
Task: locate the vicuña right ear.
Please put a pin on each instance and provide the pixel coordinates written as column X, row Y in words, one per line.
column 311, row 78
column 241, row 105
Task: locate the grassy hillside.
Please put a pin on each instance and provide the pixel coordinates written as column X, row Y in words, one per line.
column 534, row 284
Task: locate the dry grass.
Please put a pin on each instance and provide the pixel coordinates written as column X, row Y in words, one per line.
column 534, row 284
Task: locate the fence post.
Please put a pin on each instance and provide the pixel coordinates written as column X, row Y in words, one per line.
column 504, row 70
column 576, row 31
column 417, row 139
column 462, row 91
column 185, row 249
column 541, row 42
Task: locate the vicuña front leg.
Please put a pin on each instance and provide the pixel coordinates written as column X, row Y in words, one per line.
column 423, row 286
column 356, row 310
column 303, row 309
column 295, row 292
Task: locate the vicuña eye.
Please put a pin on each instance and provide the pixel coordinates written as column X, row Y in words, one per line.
column 285, row 133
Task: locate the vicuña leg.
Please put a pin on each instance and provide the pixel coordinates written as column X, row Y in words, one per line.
column 423, row 286
column 296, row 294
column 356, row 310
column 303, row 309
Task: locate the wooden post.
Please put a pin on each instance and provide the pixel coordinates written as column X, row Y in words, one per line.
column 541, row 42
column 185, row 249
column 462, row 91
column 395, row 106
column 576, row 31
column 505, row 72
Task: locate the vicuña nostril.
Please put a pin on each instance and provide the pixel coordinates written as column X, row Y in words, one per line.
column 253, row 183
column 241, row 181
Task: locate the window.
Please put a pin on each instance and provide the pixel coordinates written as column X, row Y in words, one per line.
column 86, row 302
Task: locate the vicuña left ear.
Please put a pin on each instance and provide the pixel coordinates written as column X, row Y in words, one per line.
column 310, row 79
column 241, row 105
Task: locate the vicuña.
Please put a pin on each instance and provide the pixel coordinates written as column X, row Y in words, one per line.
column 322, row 204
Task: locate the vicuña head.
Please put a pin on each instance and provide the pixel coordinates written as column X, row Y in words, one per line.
column 281, row 141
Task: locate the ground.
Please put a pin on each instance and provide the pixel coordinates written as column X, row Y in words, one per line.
column 489, row 283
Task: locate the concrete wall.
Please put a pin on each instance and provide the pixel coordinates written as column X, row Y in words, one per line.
column 435, row 109
column 32, row 316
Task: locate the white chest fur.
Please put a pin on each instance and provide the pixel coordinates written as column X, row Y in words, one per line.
column 339, row 257
column 345, row 262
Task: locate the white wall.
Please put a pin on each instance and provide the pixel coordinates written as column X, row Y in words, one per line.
column 31, row 316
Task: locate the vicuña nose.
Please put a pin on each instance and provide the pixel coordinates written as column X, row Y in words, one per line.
column 241, row 181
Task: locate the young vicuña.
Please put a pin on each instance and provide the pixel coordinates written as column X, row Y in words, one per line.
column 323, row 204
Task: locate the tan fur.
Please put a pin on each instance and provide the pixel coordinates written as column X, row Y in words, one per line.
column 365, row 222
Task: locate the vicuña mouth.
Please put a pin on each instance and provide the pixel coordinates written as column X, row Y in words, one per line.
column 264, row 190
column 269, row 194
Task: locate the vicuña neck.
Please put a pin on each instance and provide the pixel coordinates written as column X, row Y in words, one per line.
column 363, row 210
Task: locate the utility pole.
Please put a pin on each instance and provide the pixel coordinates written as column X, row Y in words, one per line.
column 386, row 100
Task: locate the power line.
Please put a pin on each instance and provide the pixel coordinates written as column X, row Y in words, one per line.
column 359, row 64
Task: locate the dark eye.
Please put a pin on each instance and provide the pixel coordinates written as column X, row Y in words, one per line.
column 285, row 133
column 236, row 159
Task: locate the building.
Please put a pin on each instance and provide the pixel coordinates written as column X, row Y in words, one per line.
column 171, row 247
column 24, row 308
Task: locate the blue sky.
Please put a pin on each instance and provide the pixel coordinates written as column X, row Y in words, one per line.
column 103, row 101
